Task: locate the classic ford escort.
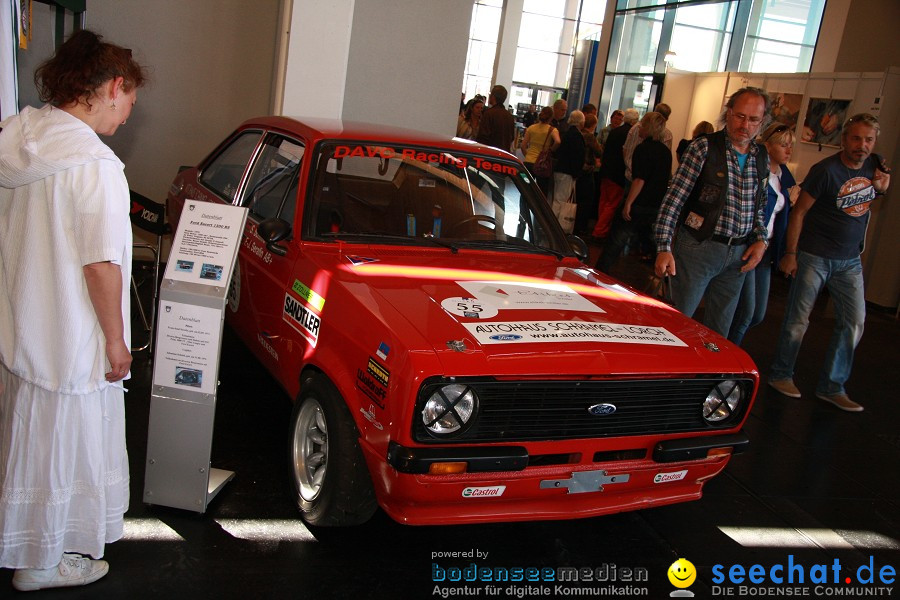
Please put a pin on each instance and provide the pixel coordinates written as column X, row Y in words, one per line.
column 451, row 357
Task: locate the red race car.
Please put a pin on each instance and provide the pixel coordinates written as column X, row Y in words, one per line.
column 451, row 357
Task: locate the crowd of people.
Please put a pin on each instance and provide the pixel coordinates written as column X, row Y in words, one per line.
column 725, row 222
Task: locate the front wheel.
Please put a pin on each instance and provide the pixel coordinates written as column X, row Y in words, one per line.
column 331, row 481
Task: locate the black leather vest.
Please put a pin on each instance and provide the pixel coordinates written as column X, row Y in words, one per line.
column 706, row 201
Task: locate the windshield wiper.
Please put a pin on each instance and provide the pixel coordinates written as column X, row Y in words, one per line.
column 520, row 245
column 379, row 235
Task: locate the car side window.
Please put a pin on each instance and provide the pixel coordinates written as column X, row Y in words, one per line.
column 223, row 175
column 271, row 189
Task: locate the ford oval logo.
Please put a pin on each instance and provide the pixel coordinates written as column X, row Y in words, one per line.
column 506, row 337
column 602, row 409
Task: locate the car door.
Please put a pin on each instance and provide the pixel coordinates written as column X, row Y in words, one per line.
column 270, row 192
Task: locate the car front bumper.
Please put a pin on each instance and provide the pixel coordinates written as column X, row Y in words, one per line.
column 498, row 484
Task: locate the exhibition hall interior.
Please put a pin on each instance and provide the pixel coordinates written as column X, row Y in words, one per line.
column 371, row 359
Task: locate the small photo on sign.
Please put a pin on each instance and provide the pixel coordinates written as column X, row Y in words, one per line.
column 213, row 272
column 186, row 376
column 185, row 266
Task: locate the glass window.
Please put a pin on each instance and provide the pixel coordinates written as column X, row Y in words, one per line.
column 782, row 36
column 629, row 4
column 424, row 196
column 553, row 8
column 223, row 175
column 272, row 186
column 635, row 42
column 701, row 36
column 483, row 34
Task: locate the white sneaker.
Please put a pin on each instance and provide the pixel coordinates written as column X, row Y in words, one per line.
column 73, row 569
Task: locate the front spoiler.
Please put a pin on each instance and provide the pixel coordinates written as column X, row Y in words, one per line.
column 487, row 459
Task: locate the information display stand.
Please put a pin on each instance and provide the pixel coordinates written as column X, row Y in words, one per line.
column 191, row 313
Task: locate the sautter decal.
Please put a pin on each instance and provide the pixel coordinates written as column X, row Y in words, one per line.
column 301, row 318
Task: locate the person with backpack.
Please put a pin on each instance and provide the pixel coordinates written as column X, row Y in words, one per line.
column 710, row 229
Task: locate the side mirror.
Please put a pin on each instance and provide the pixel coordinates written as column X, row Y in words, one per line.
column 579, row 247
column 273, row 231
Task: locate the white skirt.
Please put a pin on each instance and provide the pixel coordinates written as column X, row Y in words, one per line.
column 63, row 472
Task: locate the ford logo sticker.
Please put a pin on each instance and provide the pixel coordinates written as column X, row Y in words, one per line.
column 506, row 337
column 602, row 409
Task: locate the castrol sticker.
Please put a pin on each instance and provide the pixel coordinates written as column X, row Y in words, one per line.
column 667, row 477
column 484, row 492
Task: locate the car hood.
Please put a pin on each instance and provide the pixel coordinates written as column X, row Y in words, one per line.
column 489, row 313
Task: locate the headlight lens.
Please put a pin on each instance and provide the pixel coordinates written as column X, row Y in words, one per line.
column 723, row 401
column 449, row 408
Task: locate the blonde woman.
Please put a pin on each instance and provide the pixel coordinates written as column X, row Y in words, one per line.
column 779, row 141
column 542, row 135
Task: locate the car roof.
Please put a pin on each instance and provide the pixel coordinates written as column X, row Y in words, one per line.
column 316, row 128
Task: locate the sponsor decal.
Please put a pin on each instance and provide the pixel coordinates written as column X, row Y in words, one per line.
column 522, row 296
column 666, row 477
column 484, row 492
column 312, row 298
column 543, row 332
column 361, row 260
column 267, row 346
column 234, row 288
column 374, row 390
column 382, row 351
column 855, row 196
column 302, row 319
column 381, row 374
column 471, row 308
column 371, row 418
column 429, row 156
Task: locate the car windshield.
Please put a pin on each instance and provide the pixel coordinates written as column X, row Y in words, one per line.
column 370, row 193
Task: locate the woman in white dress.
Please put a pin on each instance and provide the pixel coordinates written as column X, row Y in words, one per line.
column 65, row 260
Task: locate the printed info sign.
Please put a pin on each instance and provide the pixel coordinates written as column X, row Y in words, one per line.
column 187, row 350
column 205, row 243
column 521, row 332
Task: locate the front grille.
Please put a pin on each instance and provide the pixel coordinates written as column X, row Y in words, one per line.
column 558, row 410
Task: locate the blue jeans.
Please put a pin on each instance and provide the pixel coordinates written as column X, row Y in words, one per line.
column 754, row 300
column 710, row 270
column 845, row 283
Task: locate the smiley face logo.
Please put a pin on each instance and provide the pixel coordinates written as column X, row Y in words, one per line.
column 682, row 573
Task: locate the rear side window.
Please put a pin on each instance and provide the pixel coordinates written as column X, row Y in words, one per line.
column 271, row 189
column 223, row 174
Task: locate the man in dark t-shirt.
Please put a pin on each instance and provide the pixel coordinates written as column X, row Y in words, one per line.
column 497, row 127
column 825, row 237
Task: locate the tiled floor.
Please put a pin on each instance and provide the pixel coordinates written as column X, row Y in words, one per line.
column 817, row 485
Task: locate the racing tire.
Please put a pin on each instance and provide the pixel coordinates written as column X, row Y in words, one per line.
column 331, row 481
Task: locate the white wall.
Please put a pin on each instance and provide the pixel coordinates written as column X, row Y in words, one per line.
column 317, row 57
column 211, row 65
column 406, row 63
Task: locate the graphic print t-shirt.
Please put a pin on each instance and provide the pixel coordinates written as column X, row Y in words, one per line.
column 835, row 226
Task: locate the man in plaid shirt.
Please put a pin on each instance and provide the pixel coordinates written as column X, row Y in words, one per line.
column 721, row 235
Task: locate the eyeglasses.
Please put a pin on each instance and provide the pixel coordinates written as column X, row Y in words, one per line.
column 776, row 131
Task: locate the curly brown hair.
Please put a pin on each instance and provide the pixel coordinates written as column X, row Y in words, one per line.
column 81, row 65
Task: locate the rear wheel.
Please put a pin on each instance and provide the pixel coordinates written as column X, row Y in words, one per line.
column 331, row 481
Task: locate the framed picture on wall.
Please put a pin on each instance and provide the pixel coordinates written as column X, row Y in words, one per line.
column 824, row 119
column 786, row 108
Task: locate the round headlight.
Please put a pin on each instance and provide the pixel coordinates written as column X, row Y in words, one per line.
column 449, row 408
column 722, row 401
